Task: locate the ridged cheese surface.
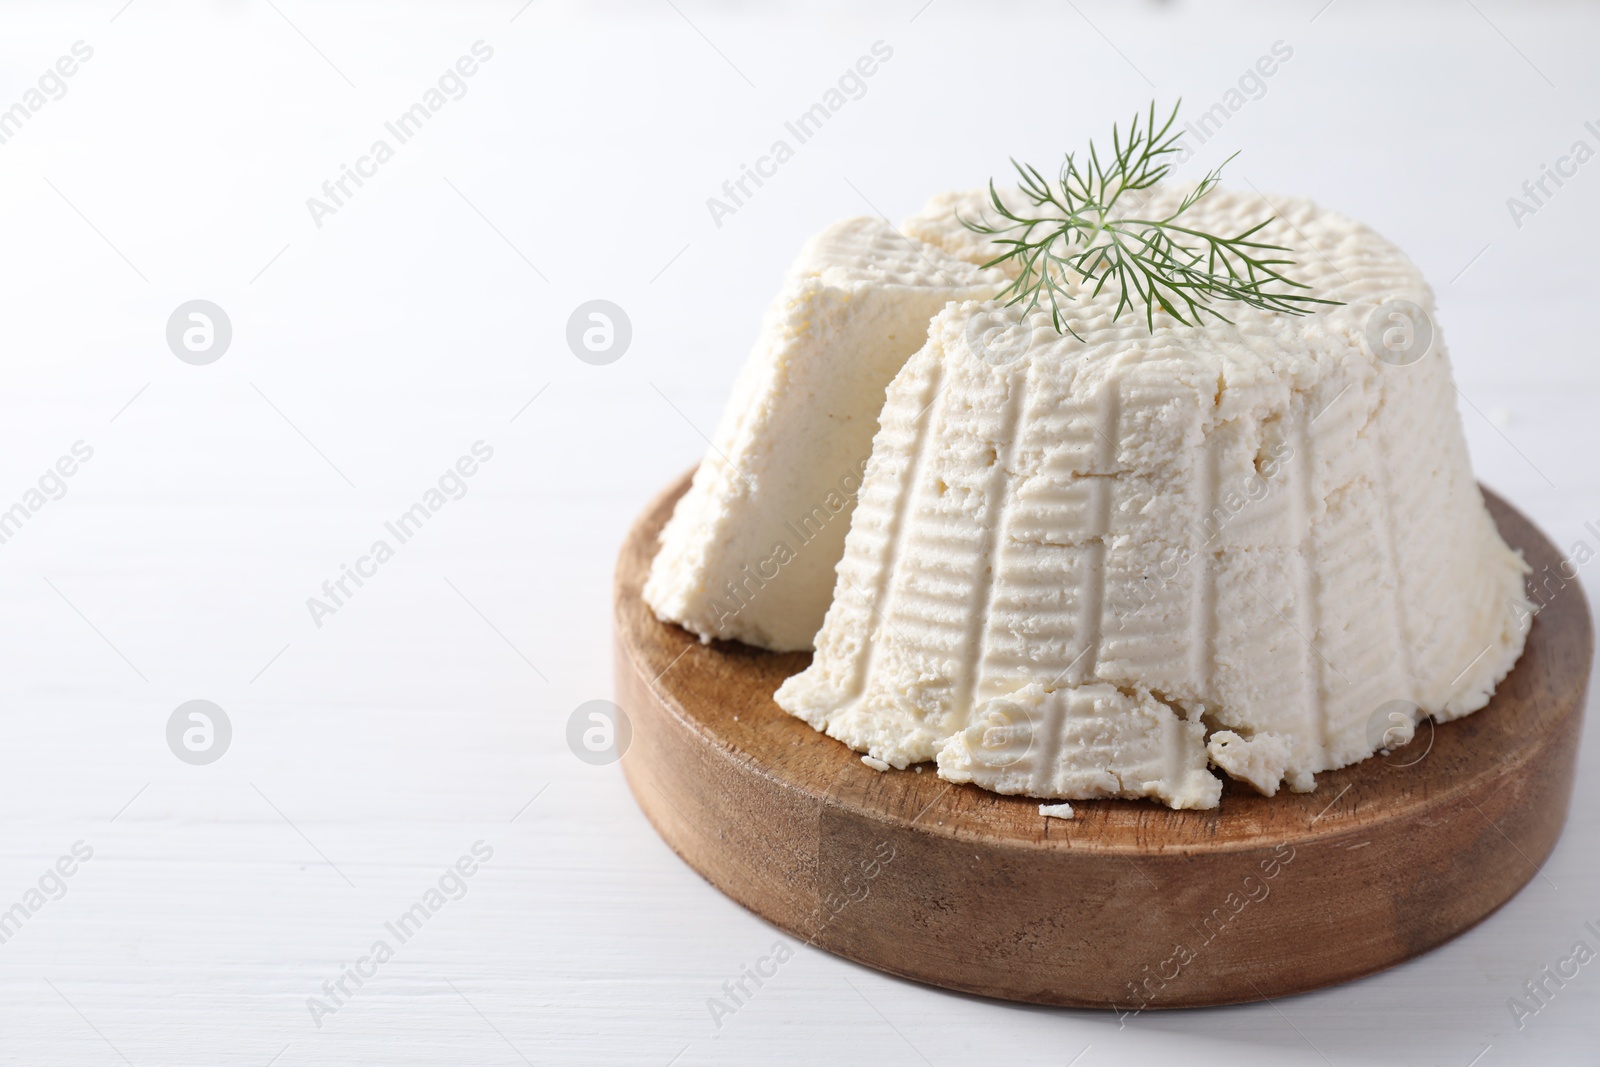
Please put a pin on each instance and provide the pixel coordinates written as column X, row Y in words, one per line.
column 1258, row 532
column 749, row 553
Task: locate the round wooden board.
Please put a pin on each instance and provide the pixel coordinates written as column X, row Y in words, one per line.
column 1129, row 906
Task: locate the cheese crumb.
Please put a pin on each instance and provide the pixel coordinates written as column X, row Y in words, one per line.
column 1260, row 760
column 875, row 763
column 1056, row 811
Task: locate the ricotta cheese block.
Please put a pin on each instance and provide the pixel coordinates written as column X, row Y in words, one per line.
column 750, row 551
column 1098, row 567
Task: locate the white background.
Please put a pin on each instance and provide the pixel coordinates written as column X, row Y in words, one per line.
column 369, row 353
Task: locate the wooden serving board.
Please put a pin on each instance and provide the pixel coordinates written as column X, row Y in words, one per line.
column 1128, row 906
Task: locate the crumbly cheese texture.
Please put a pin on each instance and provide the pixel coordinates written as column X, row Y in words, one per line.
column 750, row 551
column 1227, row 545
column 1083, row 741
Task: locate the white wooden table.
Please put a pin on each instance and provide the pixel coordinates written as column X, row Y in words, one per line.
column 375, row 343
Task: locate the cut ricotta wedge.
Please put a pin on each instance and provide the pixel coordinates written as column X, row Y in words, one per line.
column 1258, row 530
column 749, row 553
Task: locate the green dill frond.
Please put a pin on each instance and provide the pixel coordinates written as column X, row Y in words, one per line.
column 1069, row 230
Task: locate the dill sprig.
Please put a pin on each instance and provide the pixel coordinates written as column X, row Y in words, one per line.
column 1158, row 262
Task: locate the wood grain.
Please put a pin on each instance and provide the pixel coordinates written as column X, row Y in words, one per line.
column 1129, row 905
